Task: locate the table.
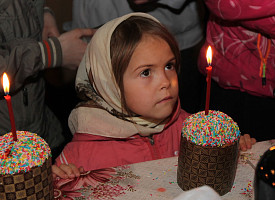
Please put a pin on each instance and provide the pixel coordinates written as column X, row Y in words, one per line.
column 155, row 179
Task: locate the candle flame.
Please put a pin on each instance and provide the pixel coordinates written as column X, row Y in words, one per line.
column 6, row 84
column 209, row 55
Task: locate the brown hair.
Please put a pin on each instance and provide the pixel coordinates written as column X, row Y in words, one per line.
column 125, row 39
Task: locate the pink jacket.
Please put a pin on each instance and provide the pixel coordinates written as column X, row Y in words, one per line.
column 232, row 31
column 96, row 152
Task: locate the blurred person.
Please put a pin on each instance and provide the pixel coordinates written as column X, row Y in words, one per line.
column 30, row 43
column 242, row 36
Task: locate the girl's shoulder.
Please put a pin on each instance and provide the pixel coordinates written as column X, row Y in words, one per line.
column 184, row 114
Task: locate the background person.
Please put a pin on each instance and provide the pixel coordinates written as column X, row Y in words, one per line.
column 30, row 43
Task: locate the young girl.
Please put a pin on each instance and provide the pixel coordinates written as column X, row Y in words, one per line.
column 128, row 77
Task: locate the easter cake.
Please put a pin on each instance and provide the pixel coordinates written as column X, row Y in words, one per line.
column 25, row 170
column 208, row 151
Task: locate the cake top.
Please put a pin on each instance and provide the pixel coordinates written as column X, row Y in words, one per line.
column 214, row 129
column 28, row 151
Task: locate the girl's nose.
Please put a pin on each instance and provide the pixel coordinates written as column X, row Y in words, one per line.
column 165, row 81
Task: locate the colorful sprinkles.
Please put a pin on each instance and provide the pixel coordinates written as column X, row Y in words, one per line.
column 215, row 129
column 28, row 151
column 248, row 190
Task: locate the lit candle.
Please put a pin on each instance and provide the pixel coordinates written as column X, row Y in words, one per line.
column 6, row 86
column 208, row 78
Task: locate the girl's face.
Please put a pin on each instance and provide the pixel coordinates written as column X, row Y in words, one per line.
column 150, row 80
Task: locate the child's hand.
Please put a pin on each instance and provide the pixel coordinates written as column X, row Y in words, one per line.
column 246, row 142
column 66, row 171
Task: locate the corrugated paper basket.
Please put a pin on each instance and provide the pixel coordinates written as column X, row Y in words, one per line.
column 33, row 185
column 205, row 165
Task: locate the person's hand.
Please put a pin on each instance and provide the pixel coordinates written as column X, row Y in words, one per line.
column 66, row 171
column 246, row 142
column 50, row 28
column 73, row 47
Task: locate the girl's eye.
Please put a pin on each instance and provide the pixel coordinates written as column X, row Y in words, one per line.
column 170, row 66
column 145, row 73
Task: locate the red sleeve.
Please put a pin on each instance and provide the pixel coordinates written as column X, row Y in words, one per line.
column 242, row 9
column 258, row 16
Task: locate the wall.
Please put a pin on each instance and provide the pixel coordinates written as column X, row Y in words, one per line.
column 62, row 10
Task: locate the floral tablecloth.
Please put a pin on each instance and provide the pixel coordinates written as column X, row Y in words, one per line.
column 153, row 180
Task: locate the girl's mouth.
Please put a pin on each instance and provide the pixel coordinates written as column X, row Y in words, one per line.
column 168, row 98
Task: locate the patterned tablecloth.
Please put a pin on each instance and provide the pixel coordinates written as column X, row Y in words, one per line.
column 153, row 180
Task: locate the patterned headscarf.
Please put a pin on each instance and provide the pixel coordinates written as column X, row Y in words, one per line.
column 102, row 113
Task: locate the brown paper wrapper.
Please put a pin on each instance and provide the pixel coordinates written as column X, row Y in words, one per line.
column 212, row 166
column 32, row 185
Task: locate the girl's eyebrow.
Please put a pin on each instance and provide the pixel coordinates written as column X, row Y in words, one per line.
column 142, row 66
column 150, row 65
column 172, row 59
